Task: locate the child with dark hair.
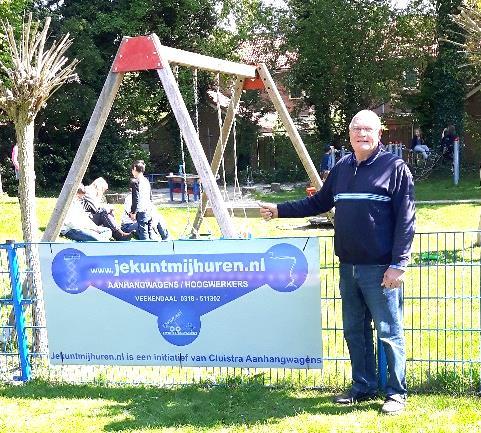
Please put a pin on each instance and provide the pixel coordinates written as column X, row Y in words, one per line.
column 447, row 144
column 325, row 166
column 158, row 229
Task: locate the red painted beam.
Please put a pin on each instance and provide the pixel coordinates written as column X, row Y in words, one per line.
column 136, row 54
column 254, row 83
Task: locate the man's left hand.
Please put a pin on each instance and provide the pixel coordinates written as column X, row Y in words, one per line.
column 393, row 278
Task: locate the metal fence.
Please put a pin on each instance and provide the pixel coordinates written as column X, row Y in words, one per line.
column 442, row 318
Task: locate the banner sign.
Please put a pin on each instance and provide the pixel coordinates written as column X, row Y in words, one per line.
column 234, row 303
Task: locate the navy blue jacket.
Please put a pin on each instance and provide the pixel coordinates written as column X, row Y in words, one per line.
column 375, row 212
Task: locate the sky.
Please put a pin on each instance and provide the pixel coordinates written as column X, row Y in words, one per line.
column 397, row 3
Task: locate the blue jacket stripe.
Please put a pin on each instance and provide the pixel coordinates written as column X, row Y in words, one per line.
column 361, row 196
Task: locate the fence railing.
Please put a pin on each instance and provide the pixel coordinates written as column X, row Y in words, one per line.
column 442, row 320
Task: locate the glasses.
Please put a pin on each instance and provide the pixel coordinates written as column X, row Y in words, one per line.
column 359, row 129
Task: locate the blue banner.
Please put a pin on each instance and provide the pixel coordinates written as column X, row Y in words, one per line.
column 243, row 303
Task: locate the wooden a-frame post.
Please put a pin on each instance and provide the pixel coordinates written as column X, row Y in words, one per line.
column 146, row 53
column 83, row 156
column 262, row 81
column 219, row 149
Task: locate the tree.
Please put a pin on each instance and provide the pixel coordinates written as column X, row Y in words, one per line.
column 30, row 76
column 98, row 28
column 202, row 26
column 351, row 55
column 443, row 85
column 10, row 10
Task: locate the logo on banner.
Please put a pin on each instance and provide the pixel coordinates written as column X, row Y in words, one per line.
column 180, row 288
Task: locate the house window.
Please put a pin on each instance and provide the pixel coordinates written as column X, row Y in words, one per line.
column 296, row 93
column 410, row 79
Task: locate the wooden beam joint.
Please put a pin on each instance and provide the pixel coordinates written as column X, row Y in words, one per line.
column 254, row 83
column 136, row 54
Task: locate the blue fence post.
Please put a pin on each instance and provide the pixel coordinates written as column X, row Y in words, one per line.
column 381, row 365
column 17, row 299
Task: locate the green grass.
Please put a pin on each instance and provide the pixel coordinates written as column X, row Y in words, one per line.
column 441, row 187
column 240, row 407
column 437, row 217
column 40, row 407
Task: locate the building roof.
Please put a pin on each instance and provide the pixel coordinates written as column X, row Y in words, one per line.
column 473, row 91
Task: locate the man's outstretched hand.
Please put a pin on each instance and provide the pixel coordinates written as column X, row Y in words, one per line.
column 268, row 211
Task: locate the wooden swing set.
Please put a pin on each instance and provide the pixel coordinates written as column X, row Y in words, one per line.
column 146, row 53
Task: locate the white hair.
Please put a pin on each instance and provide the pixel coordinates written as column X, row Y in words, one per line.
column 98, row 187
column 370, row 115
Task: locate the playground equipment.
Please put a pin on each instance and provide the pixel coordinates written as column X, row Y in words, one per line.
column 456, row 161
column 146, row 53
column 421, row 167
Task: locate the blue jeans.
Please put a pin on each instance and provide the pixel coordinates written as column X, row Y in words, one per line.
column 144, row 221
column 129, row 227
column 365, row 300
column 85, row 234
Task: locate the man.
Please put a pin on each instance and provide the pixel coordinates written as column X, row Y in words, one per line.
column 373, row 193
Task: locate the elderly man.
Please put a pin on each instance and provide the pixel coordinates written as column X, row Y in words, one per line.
column 373, row 193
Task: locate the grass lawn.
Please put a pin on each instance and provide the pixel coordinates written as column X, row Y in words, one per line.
column 438, row 217
column 441, row 187
column 41, row 407
column 37, row 407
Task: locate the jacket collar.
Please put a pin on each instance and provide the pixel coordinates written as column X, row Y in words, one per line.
column 371, row 159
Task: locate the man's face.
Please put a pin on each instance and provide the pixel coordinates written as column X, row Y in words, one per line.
column 364, row 135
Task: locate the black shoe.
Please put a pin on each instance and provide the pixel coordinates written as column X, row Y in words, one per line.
column 352, row 397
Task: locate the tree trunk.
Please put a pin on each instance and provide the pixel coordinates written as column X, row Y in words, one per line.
column 32, row 286
column 26, row 186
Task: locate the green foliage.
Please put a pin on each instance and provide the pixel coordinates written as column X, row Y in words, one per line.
column 351, row 55
column 443, row 85
column 242, row 21
column 97, row 29
column 12, row 11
